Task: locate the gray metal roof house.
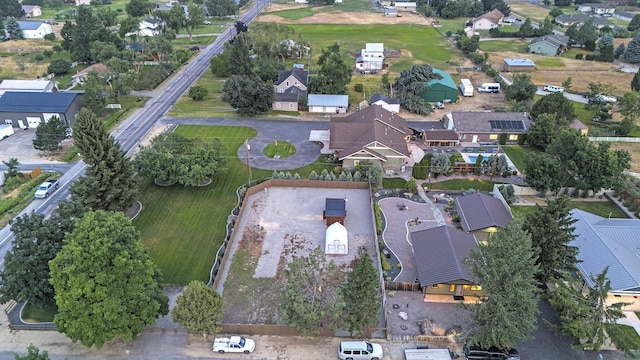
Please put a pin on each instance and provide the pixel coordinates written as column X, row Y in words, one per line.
column 29, row 109
column 615, row 243
column 482, row 214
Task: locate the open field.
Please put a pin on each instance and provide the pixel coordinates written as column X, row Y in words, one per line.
column 527, row 10
column 517, row 46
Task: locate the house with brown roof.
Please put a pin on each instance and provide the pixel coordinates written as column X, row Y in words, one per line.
column 578, row 125
column 290, row 87
column 80, row 77
column 488, row 21
column 372, row 133
column 487, row 127
column 482, row 214
column 441, row 255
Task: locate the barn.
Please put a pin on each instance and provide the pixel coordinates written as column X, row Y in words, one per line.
column 30, row 109
column 443, row 90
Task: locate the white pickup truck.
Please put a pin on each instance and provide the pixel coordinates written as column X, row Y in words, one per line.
column 233, row 344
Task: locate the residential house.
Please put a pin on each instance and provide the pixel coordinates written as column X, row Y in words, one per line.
column 405, row 6
column 80, row 77
column 82, row 2
column 613, row 243
column 440, row 256
column 34, row 29
column 513, row 65
column 290, row 86
column 149, row 27
column 624, row 15
column 566, row 20
column 39, row 85
column 486, row 127
column 30, row 109
column 443, row 89
column 320, row 103
column 440, row 138
column 371, row 58
column 301, row 1
column 578, row 125
column 372, row 133
column 384, row 3
column 387, row 103
column 482, row 214
column 373, row 50
column 31, row 11
column 551, row 45
column 488, row 21
column 597, row 9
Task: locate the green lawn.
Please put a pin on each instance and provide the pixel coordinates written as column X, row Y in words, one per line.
column 599, row 208
column 528, row 10
column 549, row 62
column 393, row 183
column 282, row 148
column 32, row 313
column 184, row 227
column 461, row 184
column 518, row 46
column 294, row 14
column 211, row 106
column 519, row 154
column 452, row 25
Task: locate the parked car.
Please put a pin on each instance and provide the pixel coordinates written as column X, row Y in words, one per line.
column 478, row 353
column 46, row 188
column 359, row 350
column 207, row 22
column 439, row 105
column 238, row 344
column 553, row 88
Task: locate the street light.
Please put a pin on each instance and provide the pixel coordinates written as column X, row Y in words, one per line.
column 247, row 147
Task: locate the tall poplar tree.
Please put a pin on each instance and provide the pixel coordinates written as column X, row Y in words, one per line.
column 505, row 268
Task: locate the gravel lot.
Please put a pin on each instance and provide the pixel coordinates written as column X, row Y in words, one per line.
column 20, row 146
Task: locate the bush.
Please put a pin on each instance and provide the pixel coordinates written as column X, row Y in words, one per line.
column 378, row 214
column 13, row 183
column 579, row 56
column 38, row 57
column 358, row 88
column 590, row 57
column 59, row 67
column 198, row 92
column 50, row 37
column 47, row 53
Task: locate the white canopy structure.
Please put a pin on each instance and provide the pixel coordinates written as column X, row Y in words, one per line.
column 336, row 240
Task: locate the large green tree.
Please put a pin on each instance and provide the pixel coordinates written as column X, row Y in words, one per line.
column 635, row 82
column 13, row 29
column 199, row 309
column 411, row 84
column 361, row 296
column 78, row 35
column 634, row 24
column 557, row 104
column 310, row 298
column 138, row 8
column 507, row 314
column 522, row 89
column 194, row 19
column 334, row 74
column 544, row 173
column 109, row 182
column 542, row 131
column 221, row 7
column 239, row 57
column 250, row 95
column 173, row 158
column 10, row 8
column 36, row 241
column 605, row 47
column 632, row 54
column 551, row 228
column 105, row 282
column 50, row 134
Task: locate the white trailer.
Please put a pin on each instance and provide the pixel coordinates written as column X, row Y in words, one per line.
column 427, row 354
column 466, row 87
column 5, row 131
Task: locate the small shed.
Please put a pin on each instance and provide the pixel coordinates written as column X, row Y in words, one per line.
column 336, row 241
column 520, row 64
column 335, row 210
column 443, row 90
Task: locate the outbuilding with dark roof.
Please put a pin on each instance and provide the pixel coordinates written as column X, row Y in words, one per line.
column 29, row 109
column 482, row 214
column 487, row 127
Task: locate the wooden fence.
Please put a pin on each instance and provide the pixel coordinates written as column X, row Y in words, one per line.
column 401, row 286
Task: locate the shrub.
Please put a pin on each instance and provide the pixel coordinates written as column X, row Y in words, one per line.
column 198, row 92
column 392, row 293
column 386, row 266
column 590, row 57
column 47, row 53
column 358, row 88
column 59, row 66
column 399, row 266
column 378, row 214
column 50, row 37
column 38, row 57
column 579, row 56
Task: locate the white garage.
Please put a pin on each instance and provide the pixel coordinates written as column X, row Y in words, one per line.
column 336, row 242
column 33, row 122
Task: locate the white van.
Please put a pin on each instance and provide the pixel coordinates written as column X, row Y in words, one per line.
column 359, row 350
column 489, row 88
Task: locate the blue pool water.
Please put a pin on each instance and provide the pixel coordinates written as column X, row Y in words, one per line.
column 473, row 159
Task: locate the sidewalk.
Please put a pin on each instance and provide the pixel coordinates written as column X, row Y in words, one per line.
column 630, row 319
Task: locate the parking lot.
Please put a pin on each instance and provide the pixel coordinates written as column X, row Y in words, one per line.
column 20, row 146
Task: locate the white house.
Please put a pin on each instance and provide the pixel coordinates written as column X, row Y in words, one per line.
column 39, row 85
column 149, row 27
column 34, row 29
column 336, row 240
column 373, row 50
column 386, row 102
column 334, row 104
column 32, row 11
column 488, row 21
column 82, row 2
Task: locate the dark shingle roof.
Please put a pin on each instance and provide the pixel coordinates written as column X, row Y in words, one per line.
column 484, row 122
column 52, row 102
column 386, row 99
column 335, row 207
column 581, row 19
column 434, row 135
column 480, row 211
column 349, row 134
column 286, row 96
column 299, row 74
column 440, row 255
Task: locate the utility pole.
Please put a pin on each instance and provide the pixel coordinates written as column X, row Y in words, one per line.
column 247, row 147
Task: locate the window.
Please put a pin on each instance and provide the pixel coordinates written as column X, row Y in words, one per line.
column 513, row 137
column 476, row 287
column 434, row 286
column 290, row 105
column 287, row 83
column 452, row 288
column 347, row 352
column 278, row 105
column 493, row 136
column 8, row 122
column 356, row 162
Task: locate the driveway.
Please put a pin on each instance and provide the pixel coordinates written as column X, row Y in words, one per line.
column 20, row 146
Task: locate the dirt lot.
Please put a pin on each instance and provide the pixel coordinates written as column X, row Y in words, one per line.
column 279, row 225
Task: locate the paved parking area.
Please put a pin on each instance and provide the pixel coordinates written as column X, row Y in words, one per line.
column 20, row 146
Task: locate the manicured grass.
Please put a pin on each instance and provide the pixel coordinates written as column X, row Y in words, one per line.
column 528, row 10
column 519, row 154
column 461, row 184
column 518, row 46
column 294, row 14
column 282, row 148
column 452, row 25
column 549, row 62
column 184, row 227
column 33, row 313
column 393, row 183
column 629, row 336
column 202, row 41
column 211, row 106
column 584, row 115
column 599, row 208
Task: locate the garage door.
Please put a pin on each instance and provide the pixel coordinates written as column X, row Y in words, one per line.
column 33, row 122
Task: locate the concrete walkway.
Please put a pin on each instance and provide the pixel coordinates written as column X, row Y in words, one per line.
column 630, row 319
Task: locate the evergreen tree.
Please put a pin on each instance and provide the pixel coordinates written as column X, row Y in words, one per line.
column 239, row 58
column 199, row 309
column 50, row 134
column 557, row 105
column 605, row 47
column 551, row 228
column 13, row 29
column 634, row 24
column 360, row 295
column 90, row 137
column 10, row 8
column 411, row 84
column 632, row 54
column 507, row 314
column 635, row 82
column 619, row 51
column 334, row 74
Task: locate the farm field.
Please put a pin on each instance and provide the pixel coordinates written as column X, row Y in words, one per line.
column 527, row 10
column 517, row 46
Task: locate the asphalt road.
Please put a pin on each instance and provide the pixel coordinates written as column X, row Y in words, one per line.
column 132, row 130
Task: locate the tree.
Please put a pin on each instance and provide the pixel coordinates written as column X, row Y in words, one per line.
column 545, row 173
column 109, row 182
column 79, row 35
column 239, row 58
column 174, row 158
column 107, row 16
column 556, row 104
column 441, row 164
column 372, row 171
column 551, row 228
column 507, row 313
column 526, row 29
column 220, row 64
column 12, row 28
column 94, row 97
column 586, row 33
column 13, row 167
column 59, row 67
column 555, row 12
column 411, row 84
column 632, row 54
column 619, row 51
column 33, row 353
column 635, row 82
column 198, row 92
column 468, row 45
column 310, row 297
column 634, row 24
column 334, row 74
column 221, row 7
column 542, row 131
column 10, row 8
column 199, row 309
column 50, row 134
column 567, row 83
column 585, row 318
column 106, row 283
column 138, row 8
column 194, row 19
column 36, row 241
column 605, row 47
column 562, row 2
column 361, row 296
column 249, row 95
column 521, row 89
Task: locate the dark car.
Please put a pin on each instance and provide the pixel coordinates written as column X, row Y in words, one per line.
column 478, row 353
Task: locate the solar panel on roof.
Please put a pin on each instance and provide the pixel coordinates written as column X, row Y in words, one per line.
column 506, row 124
